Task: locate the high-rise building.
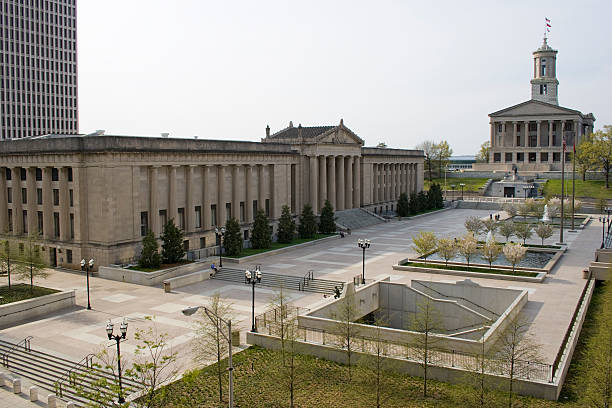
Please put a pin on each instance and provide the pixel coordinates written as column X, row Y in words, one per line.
column 38, row 68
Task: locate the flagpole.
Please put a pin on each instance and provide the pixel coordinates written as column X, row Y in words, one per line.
column 573, row 183
column 562, row 188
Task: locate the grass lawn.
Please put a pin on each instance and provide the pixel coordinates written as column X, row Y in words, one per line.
column 277, row 245
column 21, row 291
column 589, row 188
column 471, row 184
column 471, row 269
column 162, row 266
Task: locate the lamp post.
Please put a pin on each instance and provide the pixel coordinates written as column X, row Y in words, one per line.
column 453, row 190
column 253, row 277
column 217, row 320
column 604, row 220
column 220, row 233
column 462, row 185
column 118, row 338
column 87, row 266
column 363, row 244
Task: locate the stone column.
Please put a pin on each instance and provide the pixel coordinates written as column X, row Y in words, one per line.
column 221, row 187
column 550, row 134
column 64, row 212
column 331, row 181
column 492, row 140
column 236, row 192
column 415, row 177
column 314, row 197
column 539, row 134
column 248, row 180
column 47, row 203
column 32, row 204
column 17, row 205
column 388, row 183
column 3, row 201
column 322, row 180
column 340, row 183
column 577, row 131
column 504, row 131
column 190, row 210
column 514, row 144
column 357, row 182
column 261, row 198
column 172, row 212
column 349, row 183
column 374, row 183
column 206, row 199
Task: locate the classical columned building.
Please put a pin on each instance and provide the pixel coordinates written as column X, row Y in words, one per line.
column 98, row 195
column 529, row 136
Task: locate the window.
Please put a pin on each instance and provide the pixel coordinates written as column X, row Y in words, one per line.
column 254, row 208
column 198, row 216
column 554, row 127
column 9, row 195
column 544, row 157
column 228, row 211
column 518, row 140
column 144, row 223
column 267, row 207
column 10, row 220
column 69, row 255
column 23, row 174
column 25, row 221
column 56, row 225
column 520, row 157
column 24, row 195
column 246, row 234
column 71, row 197
column 242, row 214
column 556, row 157
column 163, row 218
column 39, row 216
column 55, row 196
column 496, row 157
column 39, row 196
column 8, row 174
column 508, row 158
column 69, row 173
column 499, row 128
column 203, row 242
column 532, row 157
column 71, row 226
column 181, row 218
column 533, row 141
column 38, row 174
column 543, row 70
column 186, row 245
column 213, row 214
column 54, row 174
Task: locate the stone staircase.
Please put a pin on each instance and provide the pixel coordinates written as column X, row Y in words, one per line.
column 56, row 374
column 356, row 218
column 305, row 284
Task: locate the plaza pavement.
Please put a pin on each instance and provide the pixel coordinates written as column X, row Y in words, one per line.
column 77, row 332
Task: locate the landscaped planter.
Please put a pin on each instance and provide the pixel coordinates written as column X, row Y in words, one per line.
column 41, row 306
column 149, row 278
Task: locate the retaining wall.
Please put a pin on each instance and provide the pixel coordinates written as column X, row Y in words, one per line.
column 148, row 278
column 189, row 279
column 15, row 312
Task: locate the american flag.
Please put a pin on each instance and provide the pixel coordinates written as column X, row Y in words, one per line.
column 547, row 24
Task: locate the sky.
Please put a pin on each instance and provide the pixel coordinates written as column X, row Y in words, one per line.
column 398, row 72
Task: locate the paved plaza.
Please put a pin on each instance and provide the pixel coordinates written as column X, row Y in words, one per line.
column 78, row 332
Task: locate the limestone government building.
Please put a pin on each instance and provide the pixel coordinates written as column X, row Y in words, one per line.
column 529, row 136
column 97, row 195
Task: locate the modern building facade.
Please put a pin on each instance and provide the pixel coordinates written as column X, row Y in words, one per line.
column 529, row 136
column 38, row 67
column 97, row 195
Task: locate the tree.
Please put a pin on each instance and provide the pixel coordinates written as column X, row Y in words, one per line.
column 446, row 248
column 543, row 231
column 172, row 243
column 467, row 246
column 149, row 256
column 510, row 209
column 428, row 148
column 442, row 152
column 585, row 157
column 601, row 205
column 380, row 350
column 260, row 235
column 426, row 321
column 327, row 221
column 517, row 351
column 514, row 253
column 345, row 327
column 32, row 262
column 602, row 146
column 490, row 251
column 506, row 229
column 422, row 202
column 209, row 342
column 480, row 395
column 403, row 206
column 554, row 207
column 413, row 205
column 286, row 226
column 490, row 225
column 308, row 223
column 483, row 153
column 9, row 256
column 232, row 241
column 523, row 231
column 435, row 198
column 473, row 224
column 424, row 244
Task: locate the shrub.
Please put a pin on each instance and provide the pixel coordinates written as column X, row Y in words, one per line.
column 327, row 221
column 424, row 243
column 308, row 224
column 233, row 238
column 149, row 257
column 403, row 206
column 172, row 243
column 413, row 205
column 286, row 226
column 261, row 233
column 434, row 197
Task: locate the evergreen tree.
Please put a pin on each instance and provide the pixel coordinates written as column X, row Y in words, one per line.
column 172, row 243
column 286, row 226
column 413, row 205
column 308, row 224
column 403, row 207
column 260, row 235
column 434, row 197
column 422, row 201
column 149, row 257
column 232, row 241
column 327, row 221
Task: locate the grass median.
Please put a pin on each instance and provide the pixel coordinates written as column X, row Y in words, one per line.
column 278, row 245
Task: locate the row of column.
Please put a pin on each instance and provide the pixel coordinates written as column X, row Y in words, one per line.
column 392, row 179
column 334, row 178
column 525, row 132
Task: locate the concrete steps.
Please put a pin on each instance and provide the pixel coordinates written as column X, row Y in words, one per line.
column 356, row 218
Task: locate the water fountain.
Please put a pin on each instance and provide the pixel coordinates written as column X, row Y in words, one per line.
column 546, row 217
column 489, row 236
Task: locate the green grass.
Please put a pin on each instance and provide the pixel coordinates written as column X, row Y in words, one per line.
column 277, row 245
column 21, row 291
column 161, row 267
column 471, row 269
column 471, row 184
column 589, row 188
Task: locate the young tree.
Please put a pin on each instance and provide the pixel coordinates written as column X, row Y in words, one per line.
column 260, row 235
column 426, row 322
column 543, row 231
column 32, row 262
column 172, row 243
column 473, row 224
column 403, row 206
column 585, row 157
column 428, row 148
column 602, row 146
column 506, row 229
column 149, row 256
column 9, row 256
column 517, row 350
column 510, row 209
column 467, row 246
column 554, row 207
column 523, row 231
column 483, row 153
column 327, row 221
column 479, row 394
column 232, row 241
column 378, row 348
column 442, row 153
column 601, row 205
column 514, row 253
column 490, row 225
column 308, row 223
column 209, row 343
column 345, row 327
column 286, row 226
column 424, row 244
column 446, row 248
column 490, row 251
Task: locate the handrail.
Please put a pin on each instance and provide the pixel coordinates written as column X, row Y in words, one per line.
column 26, row 345
column 459, row 297
column 68, row 376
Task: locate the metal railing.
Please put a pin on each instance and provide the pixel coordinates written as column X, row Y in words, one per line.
column 26, row 343
column 70, row 376
column 305, row 280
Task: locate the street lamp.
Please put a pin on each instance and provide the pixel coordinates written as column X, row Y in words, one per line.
column 453, row 186
column 462, row 185
column 529, row 187
column 87, row 266
column 220, row 233
column 216, row 320
column 363, row 244
column 118, row 338
column 253, row 277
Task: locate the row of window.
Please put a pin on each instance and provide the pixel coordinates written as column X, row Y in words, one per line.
column 38, row 174
column 531, row 157
column 534, row 127
column 39, row 196
column 33, row 8
column 40, row 223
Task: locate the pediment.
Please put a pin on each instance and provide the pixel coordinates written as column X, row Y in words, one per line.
column 339, row 135
column 534, row 108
